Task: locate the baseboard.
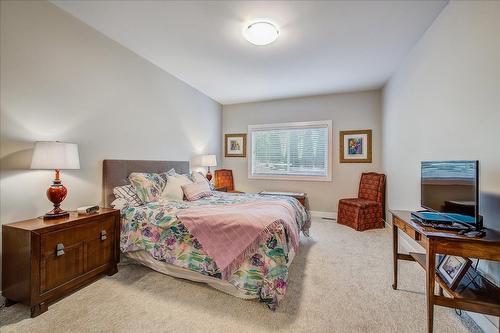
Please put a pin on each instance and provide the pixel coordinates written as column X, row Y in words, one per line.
column 326, row 215
column 481, row 320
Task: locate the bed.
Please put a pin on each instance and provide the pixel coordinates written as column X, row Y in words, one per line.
column 165, row 235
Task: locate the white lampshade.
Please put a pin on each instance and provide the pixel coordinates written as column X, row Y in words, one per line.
column 55, row 155
column 208, row 160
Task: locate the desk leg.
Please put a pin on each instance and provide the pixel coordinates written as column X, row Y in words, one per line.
column 395, row 255
column 430, row 283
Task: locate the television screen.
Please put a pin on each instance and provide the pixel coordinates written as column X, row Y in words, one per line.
column 451, row 187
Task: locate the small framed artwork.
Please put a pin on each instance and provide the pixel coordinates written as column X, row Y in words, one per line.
column 356, row 146
column 452, row 269
column 235, row 145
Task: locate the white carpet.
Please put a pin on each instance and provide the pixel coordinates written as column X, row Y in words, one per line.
column 340, row 281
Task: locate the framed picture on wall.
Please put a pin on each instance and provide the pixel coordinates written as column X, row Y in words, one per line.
column 356, row 146
column 235, row 145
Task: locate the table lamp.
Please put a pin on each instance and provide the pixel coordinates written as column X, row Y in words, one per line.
column 55, row 155
column 208, row 161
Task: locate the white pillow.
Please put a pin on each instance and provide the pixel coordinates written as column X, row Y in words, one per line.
column 196, row 191
column 173, row 189
column 171, row 172
column 128, row 193
column 198, row 177
column 119, row 203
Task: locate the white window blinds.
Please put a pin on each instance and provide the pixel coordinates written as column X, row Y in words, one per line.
column 293, row 150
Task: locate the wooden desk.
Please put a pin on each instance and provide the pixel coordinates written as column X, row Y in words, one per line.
column 485, row 300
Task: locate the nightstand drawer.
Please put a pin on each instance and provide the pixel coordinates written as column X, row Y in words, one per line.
column 108, row 225
column 56, row 269
column 63, row 254
column 63, row 251
column 100, row 249
column 68, row 237
column 99, row 252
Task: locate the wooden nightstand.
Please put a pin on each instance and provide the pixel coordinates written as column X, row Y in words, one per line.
column 221, row 189
column 44, row 260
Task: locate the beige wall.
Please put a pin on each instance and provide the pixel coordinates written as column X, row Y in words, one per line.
column 360, row 110
column 444, row 103
column 62, row 80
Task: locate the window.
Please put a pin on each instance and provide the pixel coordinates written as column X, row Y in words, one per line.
column 298, row 151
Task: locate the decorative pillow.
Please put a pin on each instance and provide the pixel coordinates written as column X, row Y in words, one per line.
column 120, row 203
column 170, row 172
column 196, row 191
column 128, row 193
column 147, row 185
column 198, row 177
column 173, row 189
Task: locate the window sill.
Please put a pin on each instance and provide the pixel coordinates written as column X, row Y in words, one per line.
column 288, row 177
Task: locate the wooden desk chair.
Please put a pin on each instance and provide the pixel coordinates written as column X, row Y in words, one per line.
column 368, row 209
column 224, row 178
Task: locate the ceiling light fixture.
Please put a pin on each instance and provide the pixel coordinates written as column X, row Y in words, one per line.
column 261, row 33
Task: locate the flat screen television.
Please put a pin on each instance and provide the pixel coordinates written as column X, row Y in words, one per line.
column 452, row 188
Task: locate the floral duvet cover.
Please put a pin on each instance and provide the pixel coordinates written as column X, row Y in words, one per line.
column 154, row 227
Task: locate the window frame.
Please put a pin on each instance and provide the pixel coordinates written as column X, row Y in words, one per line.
column 298, row 125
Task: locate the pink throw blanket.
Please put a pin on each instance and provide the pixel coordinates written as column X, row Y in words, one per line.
column 231, row 233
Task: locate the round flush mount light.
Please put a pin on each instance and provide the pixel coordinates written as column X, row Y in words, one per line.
column 261, row 33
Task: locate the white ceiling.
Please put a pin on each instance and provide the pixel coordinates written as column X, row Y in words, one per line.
column 323, row 47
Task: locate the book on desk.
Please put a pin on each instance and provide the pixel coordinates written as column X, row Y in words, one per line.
column 444, row 221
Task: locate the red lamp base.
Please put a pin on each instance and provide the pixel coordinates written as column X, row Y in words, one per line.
column 54, row 213
column 56, row 193
column 208, row 176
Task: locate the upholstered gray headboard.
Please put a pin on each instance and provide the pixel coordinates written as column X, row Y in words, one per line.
column 116, row 172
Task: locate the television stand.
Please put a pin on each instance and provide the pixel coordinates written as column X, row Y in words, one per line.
column 485, row 299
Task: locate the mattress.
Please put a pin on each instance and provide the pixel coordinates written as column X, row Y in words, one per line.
column 144, row 258
column 152, row 235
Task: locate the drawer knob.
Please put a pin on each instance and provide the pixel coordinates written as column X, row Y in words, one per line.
column 103, row 235
column 59, row 249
